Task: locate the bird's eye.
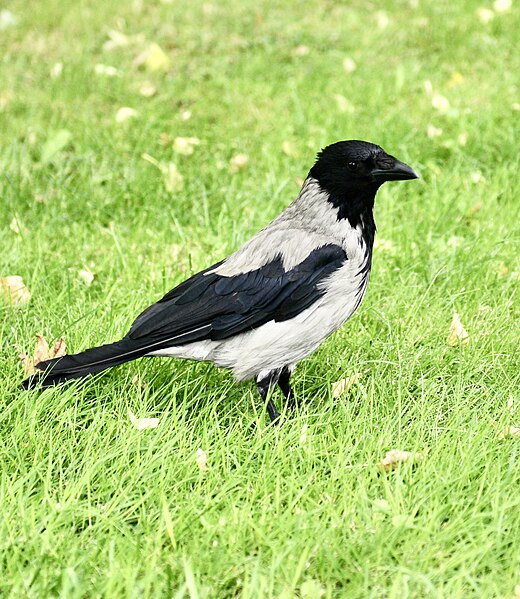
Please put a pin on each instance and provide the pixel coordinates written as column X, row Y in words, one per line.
column 352, row 166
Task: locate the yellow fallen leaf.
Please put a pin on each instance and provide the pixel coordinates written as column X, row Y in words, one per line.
column 117, row 39
column 462, row 139
column 142, row 423
column 343, row 386
column 432, row 131
column 125, row 113
column 185, row 115
column 107, row 70
column 173, row 180
column 14, row 291
column 510, row 404
column 458, row 334
column 382, row 19
column 42, row 353
column 477, row 177
column 185, row 145
column 289, row 150
column 509, row 431
column 86, row 276
column 395, row 457
column 147, row 89
column 312, row 589
column 343, row 104
column 16, row 226
column 300, row 51
column 384, row 245
column 303, row 435
column 238, row 162
column 56, row 70
column 349, row 66
column 201, row 459
column 485, row 15
column 154, row 58
column 502, row 5
column 440, row 103
column 7, row 19
column 455, row 79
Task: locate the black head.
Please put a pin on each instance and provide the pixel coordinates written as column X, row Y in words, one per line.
column 352, row 172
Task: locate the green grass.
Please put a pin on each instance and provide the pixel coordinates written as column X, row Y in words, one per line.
column 92, row 507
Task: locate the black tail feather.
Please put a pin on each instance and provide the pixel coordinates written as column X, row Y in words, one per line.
column 91, row 361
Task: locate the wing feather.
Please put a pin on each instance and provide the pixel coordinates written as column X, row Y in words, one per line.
column 213, row 306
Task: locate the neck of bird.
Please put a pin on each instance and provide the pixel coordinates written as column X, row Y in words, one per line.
column 337, row 207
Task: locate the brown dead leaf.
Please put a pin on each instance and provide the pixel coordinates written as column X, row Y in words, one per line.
column 458, row 334
column 395, row 457
column 42, row 353
column 14, row 291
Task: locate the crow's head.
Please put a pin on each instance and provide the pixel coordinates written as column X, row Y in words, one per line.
column 352, row 171
column 358, row 163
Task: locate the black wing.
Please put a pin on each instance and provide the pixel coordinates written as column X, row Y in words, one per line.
column 212, row 306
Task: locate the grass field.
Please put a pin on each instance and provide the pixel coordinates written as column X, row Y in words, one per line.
column 92, row 507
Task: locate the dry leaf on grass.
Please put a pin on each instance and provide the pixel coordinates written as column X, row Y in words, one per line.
column 106, row 70
column 147, row 89
column 300, row 51
column 343, row 386
column 86, row 276
column 7, row 19
column 57, row 142
column 349, row 66
column 432, row 131
column 142, row 423
column 125, row 113
column 343, row 104
column 173, row 180
column 14, row 291
column 458, row 334
column 395, row 457
column 56, row 70
column 154, row 58
column 509, row 431
column 502, row 5
column 185, row 145
column 440, row 103
column 42, row 353
column 202, row 459
column 485, row 15
column 238, row 162
column 289, row 150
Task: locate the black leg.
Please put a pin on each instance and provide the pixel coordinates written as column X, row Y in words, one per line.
column 264, row 385
column 283, row 383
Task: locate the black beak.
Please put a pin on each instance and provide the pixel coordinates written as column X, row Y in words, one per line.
column 399, row 171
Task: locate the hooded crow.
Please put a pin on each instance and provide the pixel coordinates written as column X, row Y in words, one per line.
column 275, row 300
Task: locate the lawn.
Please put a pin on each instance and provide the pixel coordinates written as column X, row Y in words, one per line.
column 93, row 507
